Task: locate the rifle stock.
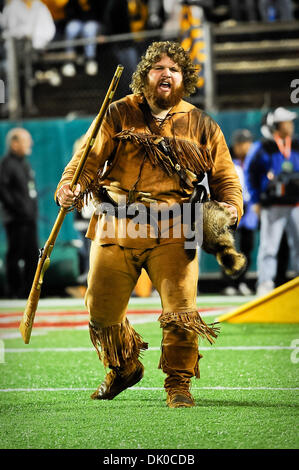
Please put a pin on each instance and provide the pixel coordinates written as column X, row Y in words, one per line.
column 44, row 259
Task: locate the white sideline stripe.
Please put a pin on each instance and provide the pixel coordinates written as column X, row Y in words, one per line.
column 73, row 319
column 49, row 318
column 155, row 348
column 70, row 302
column 137, row 389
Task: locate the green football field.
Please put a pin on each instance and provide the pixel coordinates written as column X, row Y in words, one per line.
column 246, row 398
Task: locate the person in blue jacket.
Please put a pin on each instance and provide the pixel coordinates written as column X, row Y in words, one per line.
column 241, row 141
column 272, row 178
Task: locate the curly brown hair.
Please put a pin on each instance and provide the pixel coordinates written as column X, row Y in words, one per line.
column 153, row 54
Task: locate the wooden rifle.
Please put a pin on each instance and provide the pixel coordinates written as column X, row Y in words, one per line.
column 44, row 257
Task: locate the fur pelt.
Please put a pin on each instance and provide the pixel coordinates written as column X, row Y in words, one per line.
column 218, row 239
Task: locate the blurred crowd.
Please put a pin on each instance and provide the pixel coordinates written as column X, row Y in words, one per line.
column 79, row 27
column 43, row 21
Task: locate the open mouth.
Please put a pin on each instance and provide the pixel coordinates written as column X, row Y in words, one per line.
column 164, row 85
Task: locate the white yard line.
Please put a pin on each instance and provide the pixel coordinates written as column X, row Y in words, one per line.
column 134, row 319
column 155, row 348
column 72, row 319
column 137, row 389
column 69, row 302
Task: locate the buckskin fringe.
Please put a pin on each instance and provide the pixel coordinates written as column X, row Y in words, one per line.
column 191, row 321
column 84, row 198
column 90, row 193
column 187, row 154
column 117, row 344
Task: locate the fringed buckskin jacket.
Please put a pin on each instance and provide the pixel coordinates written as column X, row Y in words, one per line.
column 127, row 159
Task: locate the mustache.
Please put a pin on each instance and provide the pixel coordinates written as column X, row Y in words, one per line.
column 175, row 96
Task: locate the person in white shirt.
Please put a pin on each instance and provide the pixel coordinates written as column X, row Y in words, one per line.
column 28, row 19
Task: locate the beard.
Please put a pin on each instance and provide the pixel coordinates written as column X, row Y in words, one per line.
column 164, row 102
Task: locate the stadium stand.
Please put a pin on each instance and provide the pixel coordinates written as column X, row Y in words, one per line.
column 244, row 59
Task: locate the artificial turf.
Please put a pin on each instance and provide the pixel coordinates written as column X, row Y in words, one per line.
column 246, row 399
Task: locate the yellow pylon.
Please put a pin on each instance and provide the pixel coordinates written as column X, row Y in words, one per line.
column 279, row 306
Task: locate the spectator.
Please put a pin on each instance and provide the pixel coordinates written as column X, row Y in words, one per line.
column 283, row 259
column 18, row 199
column 83, row 19
column 3, row 93
column 120, row 19
column 156, row 14
column 138, row 14
column 241, row 142
column 172, row 12
column 57, row 10
column 272, row 175
column 1, row 10
column 28, row 19
column 243, row 11
column 26, row 24
column 272, row 10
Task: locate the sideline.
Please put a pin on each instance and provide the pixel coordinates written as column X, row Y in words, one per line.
column 134, row 301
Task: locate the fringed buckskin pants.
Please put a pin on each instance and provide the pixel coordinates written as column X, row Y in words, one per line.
column 114, row 271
